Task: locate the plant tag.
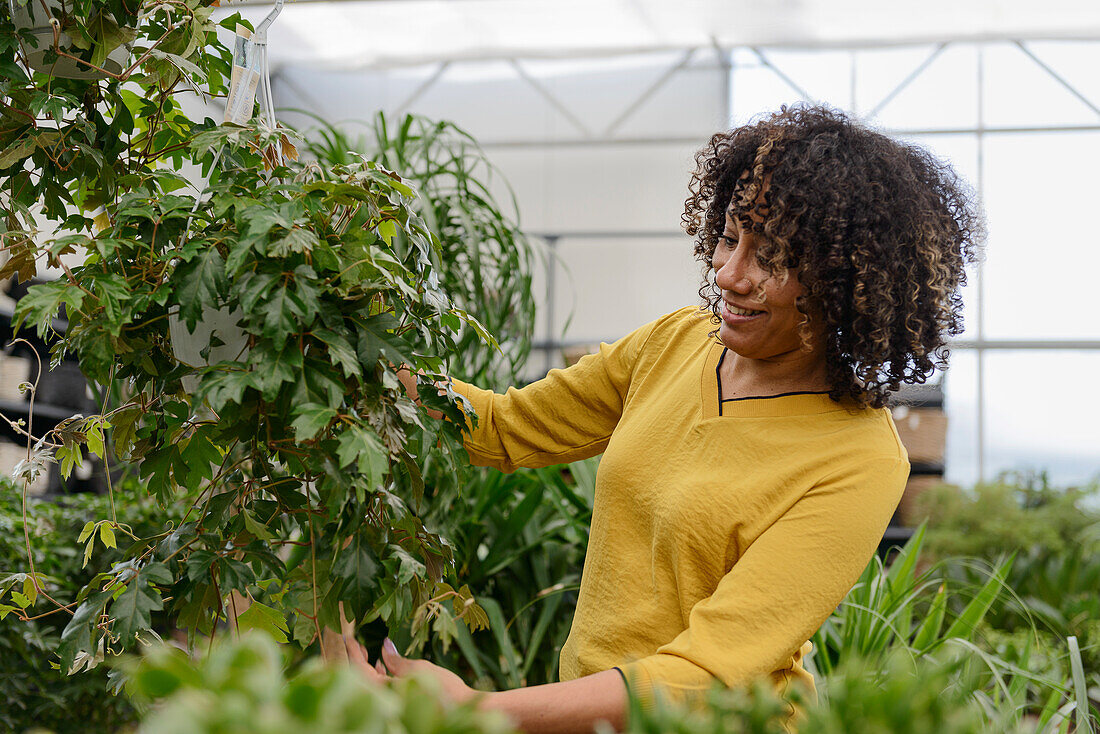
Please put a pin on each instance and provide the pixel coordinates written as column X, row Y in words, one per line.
column 244, row 80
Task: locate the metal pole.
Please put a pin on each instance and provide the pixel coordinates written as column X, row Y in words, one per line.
column 726, row 62
column 551, row 281
column 979, row 281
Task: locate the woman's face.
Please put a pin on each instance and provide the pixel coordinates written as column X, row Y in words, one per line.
column 759, row 317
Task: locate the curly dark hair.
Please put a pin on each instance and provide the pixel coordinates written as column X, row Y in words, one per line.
column 877, row 231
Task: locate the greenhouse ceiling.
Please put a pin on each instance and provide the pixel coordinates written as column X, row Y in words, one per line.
column 350, row 34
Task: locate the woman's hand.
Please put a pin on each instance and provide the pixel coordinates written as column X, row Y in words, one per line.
column 391, row 662
column 408, row 381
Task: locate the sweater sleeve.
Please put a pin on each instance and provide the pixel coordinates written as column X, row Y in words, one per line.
column 566, row 416
column 783, row 587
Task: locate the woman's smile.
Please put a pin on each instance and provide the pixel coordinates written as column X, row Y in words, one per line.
column 733, row 314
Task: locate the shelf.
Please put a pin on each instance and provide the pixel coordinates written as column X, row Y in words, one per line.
column 46, row 416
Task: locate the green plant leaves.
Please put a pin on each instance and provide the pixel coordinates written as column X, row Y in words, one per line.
column 357, row 566
column 262, row 617
column 312, row 417
column 132, row 609
column 16, row 152
column 202, row 281
column 361, row 448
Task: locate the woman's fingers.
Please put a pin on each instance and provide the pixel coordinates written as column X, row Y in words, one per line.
column 396, row 664
column 357, row 654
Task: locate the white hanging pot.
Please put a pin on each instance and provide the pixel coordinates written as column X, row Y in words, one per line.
column 30, row 15
column 188, row 346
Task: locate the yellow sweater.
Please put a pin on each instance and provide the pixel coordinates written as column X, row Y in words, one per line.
column 723, row 533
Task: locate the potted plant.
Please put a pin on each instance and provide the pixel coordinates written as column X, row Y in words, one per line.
column 296, row 462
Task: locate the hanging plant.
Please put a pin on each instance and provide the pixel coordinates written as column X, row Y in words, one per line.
column 295, row 458
column 60, row 43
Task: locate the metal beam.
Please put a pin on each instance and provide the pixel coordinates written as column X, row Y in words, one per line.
column 907, row 80
column 554, row 101
column 1057, row 77
column 419, row 91
column 779, row 73
column 702, row 137
column 649, row 92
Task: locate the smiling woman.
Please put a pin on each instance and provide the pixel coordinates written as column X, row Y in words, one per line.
column 748, row 470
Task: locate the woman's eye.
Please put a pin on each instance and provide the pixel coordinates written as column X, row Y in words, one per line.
column 728, row 241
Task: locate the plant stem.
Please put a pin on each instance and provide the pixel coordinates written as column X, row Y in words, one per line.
column 313, row 581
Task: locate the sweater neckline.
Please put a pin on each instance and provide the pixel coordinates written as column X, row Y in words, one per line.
column 767, row 406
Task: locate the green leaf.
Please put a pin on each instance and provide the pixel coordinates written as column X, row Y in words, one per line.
column 358, row 568
column 375, row 341
column 967, row 622
column 16, row 152
column 281, row 312
column 179, row 62
column 361, row 447
column 416, row 479
column 88, row 551
column 253, row 526
column 387, row 230
column 20, row 599
column 201, row 457
column 312, row 418
column 201, row 283
column 296, row 240
column 408, row 567
column 113, row 291
column 80, row 631
column 93, row 432
column 30, row 589
column 1080, row 687
column 257, row 221
column 275, row 369
column 107, row 535
column 42, row 302
column 226, row 386
column 125, row 424
column 68, row 457
column 132, row 610
column 234, row 575
column 89, row 528
column 262, row 617
column 930, row 627
column 198, row 610
column 341, row 351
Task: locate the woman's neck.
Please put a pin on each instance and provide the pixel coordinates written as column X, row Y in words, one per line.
column 742, row 377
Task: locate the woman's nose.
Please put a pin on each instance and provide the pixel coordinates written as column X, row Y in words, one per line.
column 733, row 274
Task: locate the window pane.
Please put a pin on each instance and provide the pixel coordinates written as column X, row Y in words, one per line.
column 942, row 95
column 1043, row 255
column 960, row 391
column 1020, row 93
column 1041, row 413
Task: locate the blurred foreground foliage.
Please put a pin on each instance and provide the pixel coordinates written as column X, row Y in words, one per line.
column 241, row 686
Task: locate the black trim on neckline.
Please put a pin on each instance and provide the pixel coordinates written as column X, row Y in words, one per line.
column 779, row 395
column 718, row 377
